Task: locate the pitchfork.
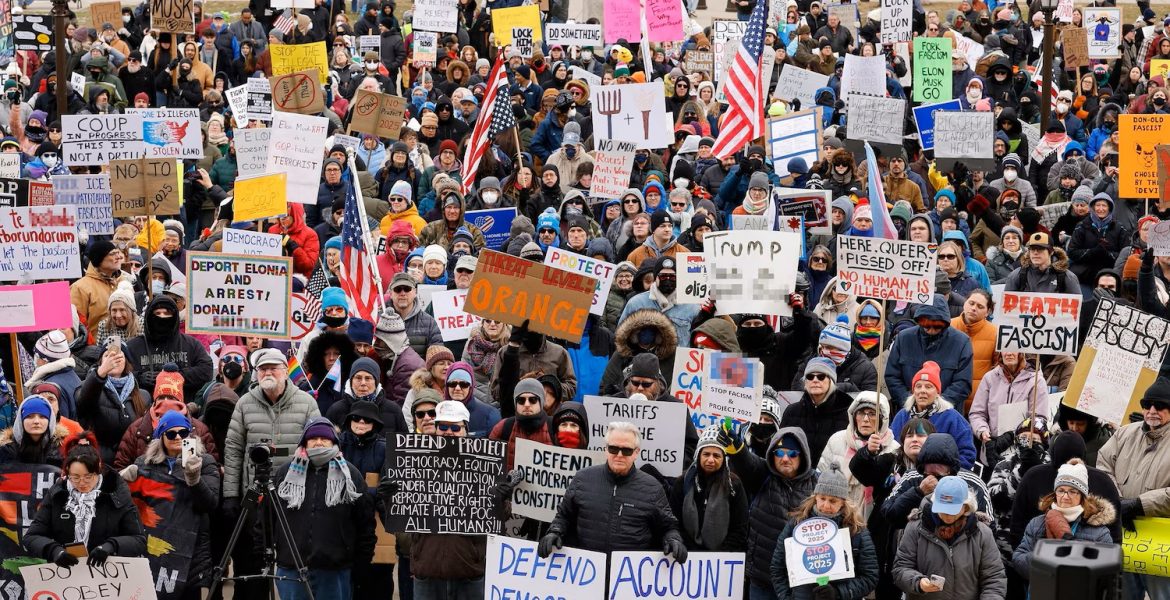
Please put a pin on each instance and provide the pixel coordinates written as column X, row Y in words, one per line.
column 609, row 103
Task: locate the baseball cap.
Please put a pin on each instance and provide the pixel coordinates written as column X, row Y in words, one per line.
column 451, row 411
column 1040, row 239
column 950, row 495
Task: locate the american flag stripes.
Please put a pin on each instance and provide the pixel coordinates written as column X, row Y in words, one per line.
column 481, row 137
column 285, row 22
column 317, row 281
column 744, row 120
column 357, row 264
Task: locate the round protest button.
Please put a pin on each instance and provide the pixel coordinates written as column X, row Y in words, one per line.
column 814, row 531
column 818, row 560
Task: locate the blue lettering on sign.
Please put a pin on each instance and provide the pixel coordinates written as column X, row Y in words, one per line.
column 651, row 577
column 525, row 562
column 819, row 559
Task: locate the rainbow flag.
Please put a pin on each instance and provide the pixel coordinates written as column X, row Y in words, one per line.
column 295, row 372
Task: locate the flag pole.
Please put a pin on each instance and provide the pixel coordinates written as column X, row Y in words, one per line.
column 361, row 207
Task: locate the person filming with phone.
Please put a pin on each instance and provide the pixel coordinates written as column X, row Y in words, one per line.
column 109, row 399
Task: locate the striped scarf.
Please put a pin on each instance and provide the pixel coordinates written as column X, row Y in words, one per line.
column 867, row 337
column 339, row 487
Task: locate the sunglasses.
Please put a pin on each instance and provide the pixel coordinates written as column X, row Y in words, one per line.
column 616, row 450
column 235, row 358
column 785, row 453
column 403, row 289
column 644, row 385
column 452, row 428
column 683, row 204
column 947, row 256
column 631, row 201
column 458, row 385
column 527, row 399
column 819, row 260
column 816, row 377
column 361, row 420
column 180, row 434
column 422, row 414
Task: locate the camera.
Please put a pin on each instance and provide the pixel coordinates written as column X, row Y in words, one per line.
column 261, row 452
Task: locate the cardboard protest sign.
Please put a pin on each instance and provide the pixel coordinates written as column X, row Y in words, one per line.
column 897, row 270
column 897, row 18
column 251, row 151
column 1075, row 41
column 426, row 47
column 443, row 484
column 613, row 162
column 259, row 197
column 170, row 132
column 794, row 135
column 435, row 15
column 547, row 473
column 295, row 149
column 144, row 186
column 725, row 36
column 259, row 105
column 35, row 307
column 752, row 271
column 299, row 92
column 876, row 119
column 692, row 278
column 720, row 575
column 932, row 69
column 294, row 58
column 733, row 386
column 964, row 137
column 13, row 192
column 799, row 84
column 664, row 20
column 622, row 20
column 1120, row 358
column 522, row 41
column 1105, row 41
column 118, row 578
column 24, row 486
column 812, row 206
column 10, row 163
column 106, row 12
column 505, row 19
column 495, row 223
column 90, row 140
column 233, row 294
column 1162, row 157
column 510, row 289
column 91, row 195
column 33, row 33
column 377, row 114
column 699, row 61
column 573, row 34
column 633, row 112
column 454, row 323
column 690, row 369
column 1137, row 169
column 175, row 16
column 39, row 242
column 1142, row 550
column 924, row 120
column 818, row 551
column 1038, row 323
column 514, row 571
column 864, row 76
column 662, row 424
column 601, row 271
column 1158, row 240
column 251, row 243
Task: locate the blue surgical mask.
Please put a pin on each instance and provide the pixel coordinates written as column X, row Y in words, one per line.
column 157, row 287
column 571, row 152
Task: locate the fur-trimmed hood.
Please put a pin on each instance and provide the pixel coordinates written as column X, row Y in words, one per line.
column 647, row 318
column 1099, row 512
column 940, row 403
column 48, row 369
column 60, row 432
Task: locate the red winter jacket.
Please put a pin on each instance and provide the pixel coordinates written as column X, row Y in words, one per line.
column 305, row 247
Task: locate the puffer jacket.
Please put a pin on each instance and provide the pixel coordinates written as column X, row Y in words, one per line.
column 1092, row 526
column 160, row 344
column 1056, row 279
column 255, row 419
column 1139, row 462
column 946, row 419
column 100, row 411
column 855, row 374
column 773, row 497
column 951, row 349
column 328, row 537
column 971, row 563
column 115, row 520
column 136, row 439
column 865, row 564
column 1092, row 249
column 939, row 448
column 303, row 246
column 612, row 380
column 63, row 373
column 551, row 359
column 604, row 512
column 983, row 342
column 422, row 330
column 845, row 444
column 393, row 420
column 1000, row 264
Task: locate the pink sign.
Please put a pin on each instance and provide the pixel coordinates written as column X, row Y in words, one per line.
column 664, row 19
column 623, row 20
column 35, row 307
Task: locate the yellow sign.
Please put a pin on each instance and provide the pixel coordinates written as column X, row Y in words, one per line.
column 504, row 19
column 290, row 59
column 1160, row 66
column 259, row 197
column 1137, row 164
column 1147, row 550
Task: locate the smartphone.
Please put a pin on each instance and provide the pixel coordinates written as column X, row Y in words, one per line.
column 188, row 447
column 114, row 342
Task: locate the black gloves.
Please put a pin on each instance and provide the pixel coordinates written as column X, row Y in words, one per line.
column 824, row 592
column 98, row 556
column 508, row 483
column 519, row 333
column 548, row 544
column 387, row 488
column 1131, row 508
column 64, row 559
column 174, row 63
column 674, row 546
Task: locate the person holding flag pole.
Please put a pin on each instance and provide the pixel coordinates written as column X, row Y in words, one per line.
column 359, row 277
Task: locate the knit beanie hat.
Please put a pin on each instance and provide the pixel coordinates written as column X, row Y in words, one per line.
column 402, row 188
column 529, row 385
column 32, row 405
column 820, row 364
column 124, row 293
column 98, row 250
column 461, row 234
column 768, row 404
column 929, row 372
column 658, row 218
column 361, row 331
column 437, row 353
column 170, row 420
column 1074, row 474
column 1012, row 229
column 53, row 345
column 1158, row 394
column 709, row 438
column 646, row 366
column 169, row 383
column 838, row 335
column 531, row 251
column 832, row 483
column 435, row 252
column 365, row 364
column 331, row 297
column 1082, row 195
column 318, row 427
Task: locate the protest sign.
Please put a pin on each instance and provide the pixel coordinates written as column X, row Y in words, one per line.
column 1162, row 156
column 799, row 84
column 1105, row 41
column 818, row 551
column 443, row 484
column 90, row 140
column 299, row 92
column 118, row 578
column 692, row 277
column 863, row 75
column 1121, row 356
column 725, row 36
column 91, row 195
column 39, row 242
column 699, row 61
column 295, row 149
column 251, row 151
column 175, row 16
column 305, row 310
column 901, row 271
column 794, row 135
column 233, row 294
column 1038, row 323
column 292, row 4
column 587, row 76
column 752, row 271
column 259, row 105
column 13, row 192
column 237, row 99
column 259, row 197
column 1075, row 42
column 435, row 15
column 1159, row 238
column 1137, row 168
column 690, row 368
column 347, row 141
column 495, row 223
column 447, row 307
column 632, row 112
column 924, row 120
column 426, row 47
column 720, row 576
column 522, row 41
column 426, row 290
column 812, row 206
column 33, row 33
column 547, row 473
column 932, row 69
column 40, row 193
column 612, row 164
column 35, row 307
column 515, row 571
column 373, row 43
column 510, row 289
column 662, row 425
column 294, row 58
column 964, row 137
column 106, row 12
column 757, row 222
column 846, row 12
column 897, row 17
column 24, row 486
column 10, row 164
column 170, row 132
column 603, row 272
column 876, row 119
column 1143, row 550
column 251, row 243
column 623, row 20
column 733, row 386
column 505, row 19
column 144, row 186
column 664, row 21
column 377, row 114
column 572, row 34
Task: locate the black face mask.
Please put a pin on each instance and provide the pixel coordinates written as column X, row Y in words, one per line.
column 756, row 164
column 334, row 321
column 14, row 96
column 165, row 325
column 1159, row 101
column 763, row 431
column 232, row 370
column 752, row 337
column 667, row 285
column 533, row 341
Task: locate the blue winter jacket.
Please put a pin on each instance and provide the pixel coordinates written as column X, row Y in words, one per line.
column 945, row 420
column 587, row 366
column 973, row 267
column 734, row 189
column 679, row 314
column 951, row 349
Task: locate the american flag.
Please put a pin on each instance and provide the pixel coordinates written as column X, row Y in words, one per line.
column 285, row 22
column 883, row 225
column 357, row 265
column 503, row 118
column 486, row 124
column 317, row 281
column 744, row 120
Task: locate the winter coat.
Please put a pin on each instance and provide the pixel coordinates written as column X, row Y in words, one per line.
column 845, row 444
column 697, row 513
column 138, row 436
column 951, row 349
column 818, row 421
column 115, row 521
column 422, row 330
column 436, row 232
column 328, row 537
column 971, row 563
column 1092, row 526
column 855, row 374
column 509, row 430
column 303, row 246
column 393, row 420
column 256, row 419
column 100, row 411
column 997, row 390
column 366, row 453
column 589, row 357
column 946, row 419
column 63, row 373
column 865, row 564
column 680, row 315
column 159, row 345
column 1056, row 279
column 90, row 295
column 983, row 342
column 782, row 350
column 605, row 512
column 613, row 380
column 940, row 449
column 396, row 378
column 551, row 359
column 483, row 416
column 1140, row 464
column 1093, row 249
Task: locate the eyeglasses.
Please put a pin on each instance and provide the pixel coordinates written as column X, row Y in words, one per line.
column 631, row 201
column 403, row 289
column 397, row 199
column 444, row 427
column 1066, row 493
column 642, row 384
column 89, row 478
column 947, row 257
column 459, row 385
column 548, row 232
column 527, row 399
column 816, row 377
column 177, row 434
column 786, row 453
column 867, row 414
column 422, row 414
column 616, row 450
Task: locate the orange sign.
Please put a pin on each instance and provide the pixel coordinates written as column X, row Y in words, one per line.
column 1137, row 164
column 511, row 289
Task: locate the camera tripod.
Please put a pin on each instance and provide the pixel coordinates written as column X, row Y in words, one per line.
column 262, row 495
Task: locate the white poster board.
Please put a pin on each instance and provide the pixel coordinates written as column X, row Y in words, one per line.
column 251, row 243
column 895, row 270
column 632, row 112
column 964, row 137
column 633, row 576
column 119, row 578
column 1038, row 323
column 733, row 386
column 865, row 75
column 600, row 270
column 897, row 18
column 662, row 424
column 572, row 34
column 454, row 324
column 752, row 271
column 252, row 151
column 876, row 119
column 514, row 571
column 236, row 294
column 295, row 149
column 1104, row 27
column 799, row 84
column 88, row 140
column 692, row 278
column 91, row 195
column 818, row 549
column 548, row 470
column 435, row 15
column 170, row 132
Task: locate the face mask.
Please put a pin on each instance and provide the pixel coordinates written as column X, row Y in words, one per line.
column 489, row 197
column 667, row 285
column 569, row 439
column 125, row 18
column 756, row 164
column 752, row 337
column 371, row 65
column 1062, row 107
column 571, row 152
column 50, row 160
column 1009, row 175
column 1159, row 101
column 1110, row 125
column 640, row 158
column 763, row 431
column 156, row 287
column 586, row 56
column 232, row 370
column 974, row 96
column 334, row 321
column 14, row 96
column 533, row 342
column 51, row 88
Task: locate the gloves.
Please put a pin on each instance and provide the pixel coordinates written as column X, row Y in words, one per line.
column 98, row 556
column 652, row 471
column 192, row 467
column 824, row 592
column 124, row 32
column 290, row 244
column 509, row 482
column 548, row 544
column 387, row 488
column 130, row 473
column 1131, row 508
column 927, row 485
column 730, row 436
column 174, row 63
column 796, row 301
column 673, row 546
column 1056, row 527
column 708, row 306
column 64, row 559
column 744, row 165
column 519, row 333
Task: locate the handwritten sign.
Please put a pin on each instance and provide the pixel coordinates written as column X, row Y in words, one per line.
column 1159, row 237
column 106, row 12
column 295, row 149
column 444, row 484
column 664, row 19
column 719, row 574
column 572, row 34
column 251, row 243
column 1105, row 40
column 170, row 132
column 548, row 470
column 897, row 16
column 725, row 34
column 752, row 271
column 699, row 61
column 294, row 58
column 259, row 105
column 260, row 197
column 175, row 16
column 876, row 119
column 1038, row 323
column 1141, row 549
column 233, row 294
column 932, row 69
column 237, row 99
column 298, row 92
column 794, row 135
column 613, row 162
column 622, row 20
column 733, row 386
column 144, row 186
column 426, row 47
column 377, row 114
column 924, row 120
column 522, row 41
column 863, row 75
column 505, row 19
column 511, row 289
column 603, row 272
column 1075, row 41
column 799, row 84
column 92, row 140
column 39, row 242
column 435, row 15
column 454, row 323
column 90, row 194
column 118, row 578
column 1138, row 172
column 662, row 425
column 514, row 571
column 252, row 151
column 964, row 137
column 896, row 270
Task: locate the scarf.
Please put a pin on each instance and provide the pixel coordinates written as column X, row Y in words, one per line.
column 1015, row 256
column 83, row 507
column 867, row 337
column 1071, row 514
column 834, row 354
column 716, row 509
column 664, row 302
column 949, row 533
column 121, row 387
column 755, row 207
column 339, row 486
column 1100, row 224
column 481, row 352
column 924, row 413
